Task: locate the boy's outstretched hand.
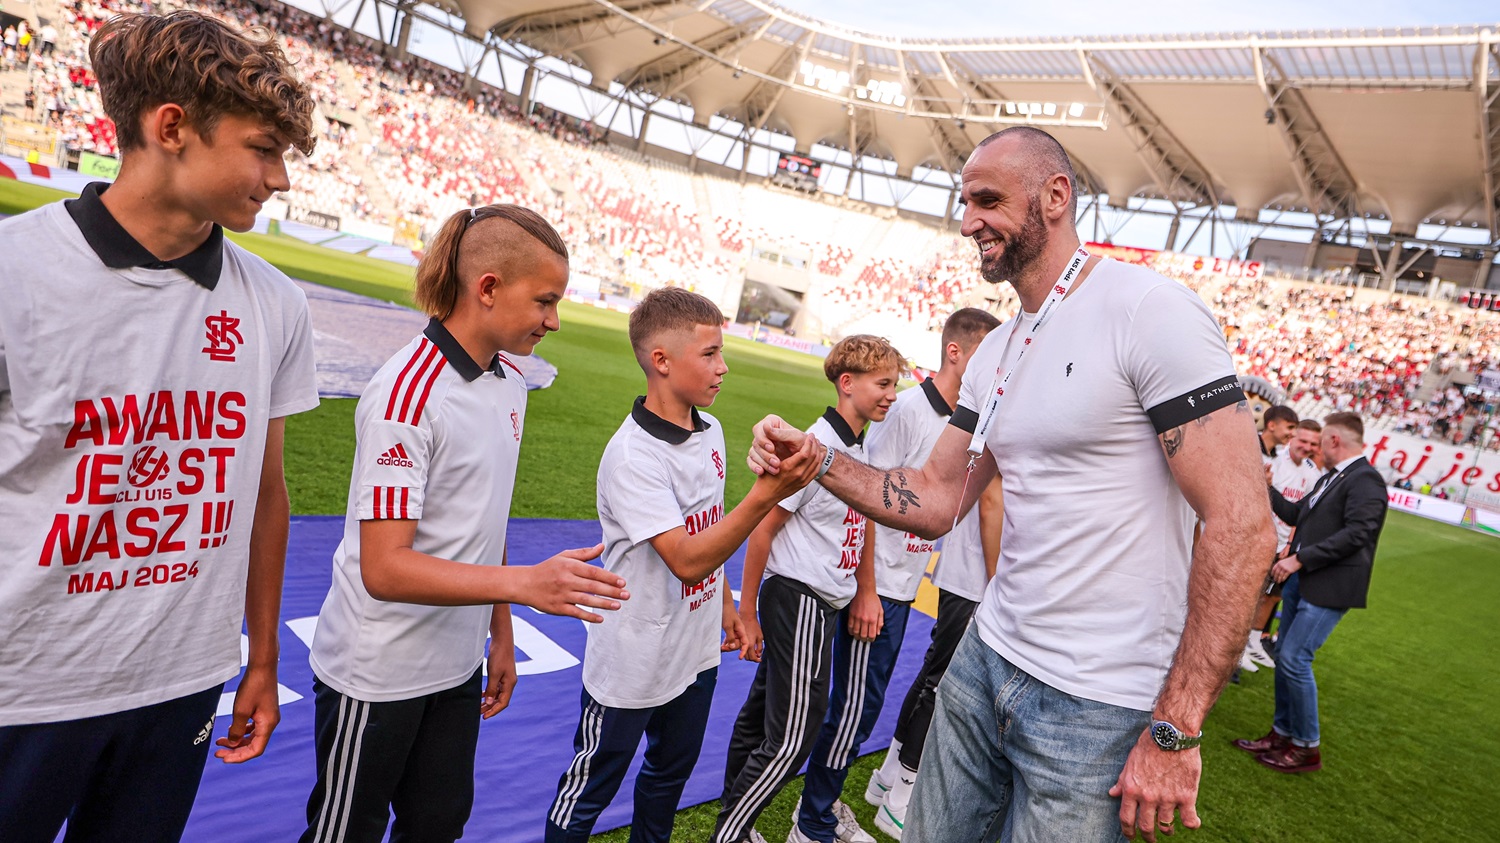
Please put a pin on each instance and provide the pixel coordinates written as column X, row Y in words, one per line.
column 774, row 441
column 795, row 471
column 565, row 583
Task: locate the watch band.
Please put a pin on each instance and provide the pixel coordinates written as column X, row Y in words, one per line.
column 1172, row 739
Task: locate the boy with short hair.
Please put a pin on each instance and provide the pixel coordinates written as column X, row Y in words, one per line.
column 146, row 368
column 1292, row 473
column 871, row 628
column 651, row 668
column 810, row 548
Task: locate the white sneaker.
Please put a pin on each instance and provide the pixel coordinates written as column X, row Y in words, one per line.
column 1246, row 664
column 756, row 837
column 848, row 830
column 876, row 790
column 890, row 820
column 845, row 830
column 1258, row 654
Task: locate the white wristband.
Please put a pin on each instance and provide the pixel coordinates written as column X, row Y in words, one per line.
column 827, row 462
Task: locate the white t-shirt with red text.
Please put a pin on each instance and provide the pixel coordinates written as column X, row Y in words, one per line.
column 904, row 439
column 134, row 405
column 653, row 478
column 819, row 545
column 1294, row 480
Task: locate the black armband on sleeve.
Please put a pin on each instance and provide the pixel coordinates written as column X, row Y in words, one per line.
column 1195, row 404
column 964, row 419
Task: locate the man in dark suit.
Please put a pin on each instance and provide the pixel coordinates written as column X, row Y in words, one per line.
column 1327, row 574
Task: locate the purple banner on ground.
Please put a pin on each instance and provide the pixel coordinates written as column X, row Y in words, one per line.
column 522, row 752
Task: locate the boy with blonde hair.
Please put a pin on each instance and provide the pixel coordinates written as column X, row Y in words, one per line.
column 651, row 668
column 810, row 546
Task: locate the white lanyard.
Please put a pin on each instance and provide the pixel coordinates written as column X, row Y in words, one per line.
column 1007, row 368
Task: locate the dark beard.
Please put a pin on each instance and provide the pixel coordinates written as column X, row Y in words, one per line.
column 1019, row 253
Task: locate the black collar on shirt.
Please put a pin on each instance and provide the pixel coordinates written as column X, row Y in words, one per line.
column 455, row 354
column 936, row 399
column 663, row 429
column 842, row 428
column 118, row 250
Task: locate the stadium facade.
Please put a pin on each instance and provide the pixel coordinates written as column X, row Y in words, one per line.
column 1380, row 147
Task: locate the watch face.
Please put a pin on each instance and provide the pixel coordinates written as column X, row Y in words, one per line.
column 1164, row 735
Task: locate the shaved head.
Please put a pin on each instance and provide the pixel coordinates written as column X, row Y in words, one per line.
column 498, row 245
column 1039, row 156
column 508, row 241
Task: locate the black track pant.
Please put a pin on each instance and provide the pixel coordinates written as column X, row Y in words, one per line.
column 775, row 731
column 954, row 614
column 412, row 757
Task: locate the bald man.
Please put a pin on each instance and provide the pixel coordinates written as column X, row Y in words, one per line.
column 1075, row 703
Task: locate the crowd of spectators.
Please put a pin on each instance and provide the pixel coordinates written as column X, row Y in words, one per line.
column 1366, row 353
column 411, row 139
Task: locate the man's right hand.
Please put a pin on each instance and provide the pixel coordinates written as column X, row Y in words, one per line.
column 775, row 440
column 795, row 471
column 565, row 583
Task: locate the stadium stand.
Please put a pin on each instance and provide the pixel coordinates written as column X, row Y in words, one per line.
column 408, row 140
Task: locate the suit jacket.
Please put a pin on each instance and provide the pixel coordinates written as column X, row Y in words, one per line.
column 1336, row 535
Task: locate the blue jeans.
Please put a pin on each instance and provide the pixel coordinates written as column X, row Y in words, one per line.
column 1009, row 757
column 861, row 673
column 1304, row 628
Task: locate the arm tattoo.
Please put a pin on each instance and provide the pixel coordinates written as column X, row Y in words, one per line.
column 904, row 497
column 1172, row 441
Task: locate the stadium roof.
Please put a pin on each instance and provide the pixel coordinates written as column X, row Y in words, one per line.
column 1401, row 124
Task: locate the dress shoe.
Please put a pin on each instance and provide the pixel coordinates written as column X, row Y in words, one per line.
column 1292, row 759
column 1270, row 743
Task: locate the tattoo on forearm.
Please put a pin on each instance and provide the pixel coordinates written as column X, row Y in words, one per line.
column 904, row 497
column 1172, row 441
column 1242, row 407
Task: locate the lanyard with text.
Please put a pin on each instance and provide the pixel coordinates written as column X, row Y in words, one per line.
column 1007, row 368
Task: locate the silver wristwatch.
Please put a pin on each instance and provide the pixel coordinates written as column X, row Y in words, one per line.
column 1171, row 738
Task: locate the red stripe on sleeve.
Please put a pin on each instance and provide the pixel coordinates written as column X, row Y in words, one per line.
column 404, row 492
column 411, row 386
column 390, row 406
column 422, row 403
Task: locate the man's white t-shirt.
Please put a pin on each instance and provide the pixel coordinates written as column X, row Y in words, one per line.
column 1294, row 480
column 655, row 477
column 903, row 440
column 134, row 404
column 819, row 545
column 437, row 439
column 1090, row 592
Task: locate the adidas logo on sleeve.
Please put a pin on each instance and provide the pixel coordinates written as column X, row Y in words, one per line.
column 396, row 456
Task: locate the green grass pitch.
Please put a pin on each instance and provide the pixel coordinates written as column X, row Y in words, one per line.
column 1408, row 688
